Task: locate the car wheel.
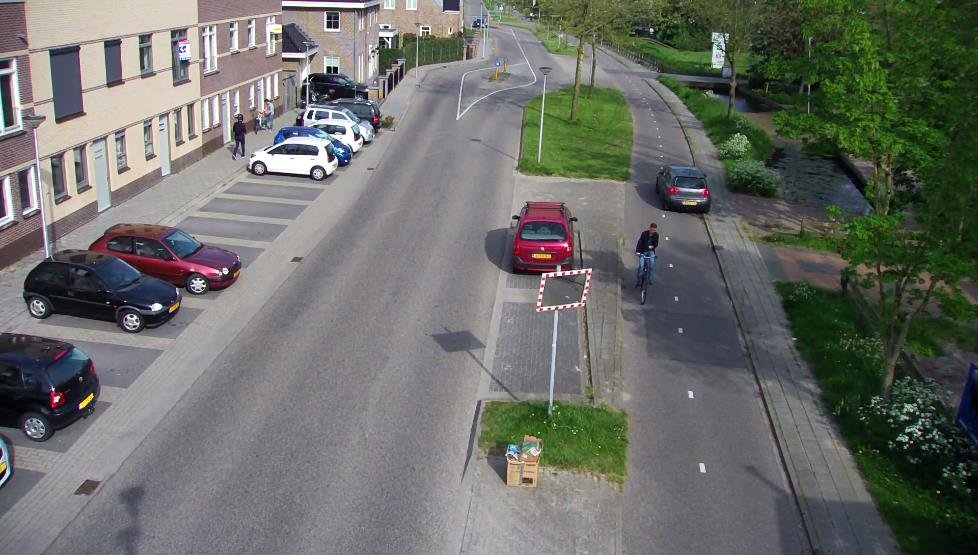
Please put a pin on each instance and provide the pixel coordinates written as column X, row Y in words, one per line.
column 36, row 426
column 258, row 168
column 131, row 321
column 197, row 284
column 39, row 307
column 317, row 173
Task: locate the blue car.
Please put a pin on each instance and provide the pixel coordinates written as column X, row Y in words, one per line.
column 343, row 152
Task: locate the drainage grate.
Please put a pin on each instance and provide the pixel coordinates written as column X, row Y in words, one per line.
column 370, row 169
column 87, row 487
column 296, row 259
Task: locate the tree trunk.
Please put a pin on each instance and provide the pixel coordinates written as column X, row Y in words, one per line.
column 594, row 65
column 577, row 78
column 733, row 87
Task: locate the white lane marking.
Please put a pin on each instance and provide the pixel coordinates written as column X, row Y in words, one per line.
column 702, row 468
column 667, row 237
column 670, row 265
column 690, row 394
column 459, row 112
column 676, row 298
column 680, row 330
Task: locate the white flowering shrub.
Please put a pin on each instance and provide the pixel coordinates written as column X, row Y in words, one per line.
column 736, row 147
column 709, row 94
column 742, row 125
column 800, row 293
column 913, row 424
column 753, row 178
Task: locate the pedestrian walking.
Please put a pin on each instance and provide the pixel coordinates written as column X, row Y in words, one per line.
column 240, row 131
column 269, row 113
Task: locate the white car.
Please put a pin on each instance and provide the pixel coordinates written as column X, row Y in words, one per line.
column 329, row 113
column 298, row 155
column 5, row 468
column 350, row 133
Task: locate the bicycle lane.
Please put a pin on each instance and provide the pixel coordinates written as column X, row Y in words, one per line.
column 703, row 466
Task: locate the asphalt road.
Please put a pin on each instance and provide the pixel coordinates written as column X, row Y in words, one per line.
column 336, row 422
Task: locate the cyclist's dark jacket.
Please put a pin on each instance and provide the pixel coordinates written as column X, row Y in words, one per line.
column 647, row 242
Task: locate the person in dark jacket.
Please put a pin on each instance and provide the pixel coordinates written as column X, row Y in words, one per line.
column 240, row 131
column 647, row 241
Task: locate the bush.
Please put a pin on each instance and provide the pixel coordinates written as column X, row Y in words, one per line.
column 736, row 147
column 387, row 122
column 753, row 178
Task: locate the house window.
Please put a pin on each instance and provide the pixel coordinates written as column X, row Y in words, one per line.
column 275, row 86
column 215, row 111
column 120, row 151
column 332, row 21
column 233, row 31
column 179, row 68
column 145, row 54
column 205, row 114
column 389, row 5
column 177, row 126
column 268, row 88
column 261, row 92
column 113, row 62
column 251, row 96
column 9, row 97
column 28, row 190
column 148, row 138
column 210, row 47
column 6, row 210
column 331, row 64
column 237, row 102
column 269, row 37
column 81, row 169
column 359, row 18
column 425, row 30
column 251, row 33
column 66, row 82
column 191, row 129
column 58, row 176
column 410, row 4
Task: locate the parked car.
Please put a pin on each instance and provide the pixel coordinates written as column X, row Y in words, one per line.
column 101, row 286
column 330, row 86
column 366, row 110
column 45, row 384
column 329, row 113
column 366, row 131
column 296, row 155
column 477, row 23
column 544, row 237
column 343, row 153
column 5, row 467
column 682, row 187
column 346, row 131
column 171, row 255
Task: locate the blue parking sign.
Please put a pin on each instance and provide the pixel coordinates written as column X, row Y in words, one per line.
column 498, row 63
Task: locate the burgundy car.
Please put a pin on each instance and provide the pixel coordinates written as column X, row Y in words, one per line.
column 171, row 255
column 544, row 237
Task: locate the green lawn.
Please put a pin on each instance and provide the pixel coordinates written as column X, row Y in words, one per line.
column 554, row 46
column 598, row 145
column 672, row 60
column 578, row 437
column 931, row 333
column 806, row 240
column 833, row 343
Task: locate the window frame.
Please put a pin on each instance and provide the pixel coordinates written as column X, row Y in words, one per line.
column 177, row 125
column 269, row 37
column 233, row 36
column 148, row 140
column 326, row 65
column 208, row 42
column 425, row 31
column 112, row 50
column 251, row 96
column 191, row 124
column 326, row 20
column 252, row 33
column 121, row 152
column 146, row 47
column 6, row 201
column 80, row 184
column 180, row 72
column 15, row 106
column 215, row 111
column 205, row 114
column 62, row 81
column 31, row 190
column 58, row 176
column 408, row 4
column 390, row 4
column 236, row 102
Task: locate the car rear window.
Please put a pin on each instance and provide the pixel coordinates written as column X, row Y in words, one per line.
column 687, row 182
column 543, row 231
column 68, row 367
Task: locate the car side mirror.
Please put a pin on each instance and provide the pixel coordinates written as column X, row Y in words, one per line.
column 573, row 218
column 515, row 217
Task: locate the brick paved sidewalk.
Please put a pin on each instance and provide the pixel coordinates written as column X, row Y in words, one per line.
column 838, row 512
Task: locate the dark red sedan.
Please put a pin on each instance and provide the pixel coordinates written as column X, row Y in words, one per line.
column 171, row 255
column 544, row 237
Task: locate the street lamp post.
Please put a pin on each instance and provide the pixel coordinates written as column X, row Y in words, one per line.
column 417, row 55
column 543, row 106
column 34, row 121
column 308, row 72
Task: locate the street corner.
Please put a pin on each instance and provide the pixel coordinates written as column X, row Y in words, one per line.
column 566, row 513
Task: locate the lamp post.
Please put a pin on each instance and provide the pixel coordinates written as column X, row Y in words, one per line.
column 543, row 106
column 308, row 71
column 417, row 55
column 34, row 121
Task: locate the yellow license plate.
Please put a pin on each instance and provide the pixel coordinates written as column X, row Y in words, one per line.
column 689, row 203
column 88, row 400
column 174, row 308
column 236, row 274
column 542, row 255
column 3, row 468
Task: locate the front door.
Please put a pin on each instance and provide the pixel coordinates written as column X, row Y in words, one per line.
column 226, row 108
column 102, row 192
column 164, row 145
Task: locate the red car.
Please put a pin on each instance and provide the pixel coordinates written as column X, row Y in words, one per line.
column 172, row 255
column 544, row 237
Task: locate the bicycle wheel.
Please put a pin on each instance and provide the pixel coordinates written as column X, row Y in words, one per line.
column 645, row 287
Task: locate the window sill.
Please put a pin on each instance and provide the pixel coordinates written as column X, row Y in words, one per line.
column 191, row 137
column 272, row 55
column 210, row 72
column 31, row 213
column 235, row 51
column 122, row 170
column 115, row 84
column 62, row 198
column 150, row 157
column 181, row 82
column 205, row 130
column 333, row 30
column 147, row 73
column 252, row 46
column 13, row 133
column 69, row 117
column 178, row 143
column 7, row 224
column 82, row 188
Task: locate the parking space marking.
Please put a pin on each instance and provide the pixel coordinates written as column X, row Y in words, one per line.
column 273, row 183
column 276, row 200
column 197, row 301
column 233, row 241
column 31, row 458
column 690, row 394
column 702, row 468
column 71, row 333
column 243, row 218
column 109, row 394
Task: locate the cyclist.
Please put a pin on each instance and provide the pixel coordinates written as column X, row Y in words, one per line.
column 647, row 242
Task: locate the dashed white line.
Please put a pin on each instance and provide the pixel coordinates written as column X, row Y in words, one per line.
column 690, row 394
column 670, row 265
column 680, row 330
column 702, row 468
column 667, row 237
column 676, row 298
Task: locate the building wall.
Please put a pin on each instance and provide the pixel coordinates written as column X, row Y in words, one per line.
column 339, row 43
column 429, row 13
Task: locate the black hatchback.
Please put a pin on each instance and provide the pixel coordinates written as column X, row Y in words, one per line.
column 45, row 384
column 367, row 110
column 101, row 286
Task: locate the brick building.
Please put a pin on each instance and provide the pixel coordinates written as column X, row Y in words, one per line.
column 345, row 32
column 439, row 18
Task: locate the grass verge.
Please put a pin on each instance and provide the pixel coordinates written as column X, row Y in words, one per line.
column 834, row 344
column 577, row 437
column 671, row 60
column 807, row 240
column 553, row 45
column 598, row 145
column 931, row 333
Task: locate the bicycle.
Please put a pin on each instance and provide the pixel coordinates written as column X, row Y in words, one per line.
column 646, row 276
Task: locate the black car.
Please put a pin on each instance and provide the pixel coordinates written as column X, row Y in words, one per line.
column 96, row 285
column 366, row 110
column 45, row 384
column 330, row 86
column 683, row 187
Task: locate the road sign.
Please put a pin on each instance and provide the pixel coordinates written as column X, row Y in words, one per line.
column 498, row 63
column 719, row 48
column 183, row 50
column 563, row 290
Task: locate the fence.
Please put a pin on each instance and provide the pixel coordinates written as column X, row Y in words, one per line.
column 430, row 50
column 640, row 59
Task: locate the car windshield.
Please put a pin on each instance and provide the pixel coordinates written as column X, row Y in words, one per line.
column 318, row 133
column 356, row 128
column 687, row 182
column 543, row 231
column 182, row 244
column 350, row 113
column 68, row 367
column 116, row 274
